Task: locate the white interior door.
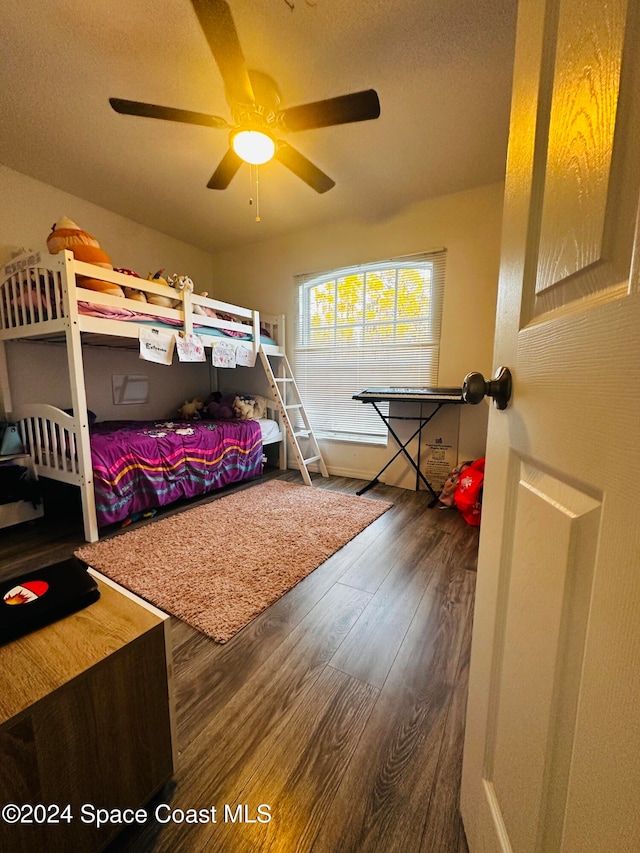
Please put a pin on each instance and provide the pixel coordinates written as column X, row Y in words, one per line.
column 552, row 749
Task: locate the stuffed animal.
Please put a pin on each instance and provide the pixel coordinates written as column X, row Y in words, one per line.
column 183, row 282
column 220, row 406
column 131, row 292
column 159, row 299
column 136, row 295
column 446, row 497
column 260, row 407
column 191, row 410
column 180, row 282
column 65, row 234
column 250, row 408
column 100, row 286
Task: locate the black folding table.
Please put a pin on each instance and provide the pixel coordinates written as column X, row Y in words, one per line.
column 440, row 396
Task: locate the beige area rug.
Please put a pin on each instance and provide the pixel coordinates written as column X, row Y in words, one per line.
column 217, row 566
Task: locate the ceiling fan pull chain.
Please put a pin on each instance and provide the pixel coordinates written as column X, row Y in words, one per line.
column 257, row 195
column 250, row 184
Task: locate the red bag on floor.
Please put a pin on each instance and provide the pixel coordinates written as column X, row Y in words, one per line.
column 468, row 494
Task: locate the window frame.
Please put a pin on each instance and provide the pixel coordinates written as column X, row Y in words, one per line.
column 370, row 429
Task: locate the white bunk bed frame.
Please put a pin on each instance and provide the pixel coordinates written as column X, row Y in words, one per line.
column 58, row 442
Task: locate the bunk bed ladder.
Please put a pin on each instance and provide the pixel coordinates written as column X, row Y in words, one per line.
column 303, row 441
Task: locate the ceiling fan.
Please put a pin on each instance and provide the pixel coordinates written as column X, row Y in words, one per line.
column 254, row 99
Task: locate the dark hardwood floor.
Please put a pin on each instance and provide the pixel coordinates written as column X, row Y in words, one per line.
column 340, row 708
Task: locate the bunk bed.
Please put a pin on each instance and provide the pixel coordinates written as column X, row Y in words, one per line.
column 42, row 298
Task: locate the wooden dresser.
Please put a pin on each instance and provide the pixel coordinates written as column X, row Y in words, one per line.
column 86, row 721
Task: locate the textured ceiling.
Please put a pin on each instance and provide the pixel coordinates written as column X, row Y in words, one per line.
column 442, row 70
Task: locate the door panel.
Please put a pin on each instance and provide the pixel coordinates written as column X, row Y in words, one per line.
column 586, row 74
column 536, row 692
column 580, row 161
column 552, row 748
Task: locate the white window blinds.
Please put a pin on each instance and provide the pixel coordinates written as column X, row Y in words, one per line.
column 367, row 326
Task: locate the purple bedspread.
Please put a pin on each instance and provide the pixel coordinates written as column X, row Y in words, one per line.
column 139, row 465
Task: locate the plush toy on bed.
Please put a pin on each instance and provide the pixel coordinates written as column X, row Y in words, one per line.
column 65, row 234
column 191, row 410
column 219, row 406
column 131, row 292
column 157, row 298
column 180, row 283
column 183, row 282
column 250, row 408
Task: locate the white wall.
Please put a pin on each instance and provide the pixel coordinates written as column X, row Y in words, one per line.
column 467, row 224
column 38, row 372
column 29, row 209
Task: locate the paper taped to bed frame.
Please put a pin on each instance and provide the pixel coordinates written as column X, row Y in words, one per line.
column 156, row 345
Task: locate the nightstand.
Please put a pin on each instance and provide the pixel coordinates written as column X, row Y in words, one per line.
column 86, row 720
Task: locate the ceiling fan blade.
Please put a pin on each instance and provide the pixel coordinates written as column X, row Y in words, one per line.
column 303, row 168
column 220, row 31
column 227, row 168
column 358, row 106
column 138, row 108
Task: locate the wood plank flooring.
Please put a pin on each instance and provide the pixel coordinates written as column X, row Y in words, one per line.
column 340, row 708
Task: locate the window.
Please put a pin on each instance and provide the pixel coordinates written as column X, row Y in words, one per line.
column 375, row 325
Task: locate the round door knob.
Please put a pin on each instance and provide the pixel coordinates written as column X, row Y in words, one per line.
column 475, row 388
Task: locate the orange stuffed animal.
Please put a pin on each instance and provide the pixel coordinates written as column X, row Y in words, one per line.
column 65, row 234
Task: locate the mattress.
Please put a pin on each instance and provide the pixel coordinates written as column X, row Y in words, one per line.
column 139, row 465
column 270, row 430
column 125, row 315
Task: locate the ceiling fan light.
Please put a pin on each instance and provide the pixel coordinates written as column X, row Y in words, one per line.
column 253, row 146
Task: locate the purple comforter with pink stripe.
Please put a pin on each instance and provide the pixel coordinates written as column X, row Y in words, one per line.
column 140, row 465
